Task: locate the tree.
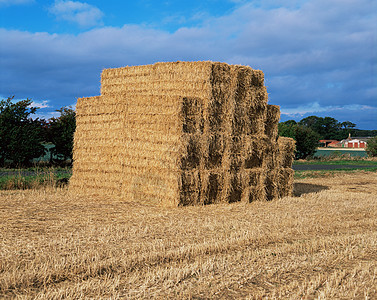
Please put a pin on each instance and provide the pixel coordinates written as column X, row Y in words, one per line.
column 60, row 132
column 312, row 122
column 306, row 142
column 20, row 135
column 372, row 147
column 287, row 128
column 347, row 125
column 306, row 139
column 328, row 128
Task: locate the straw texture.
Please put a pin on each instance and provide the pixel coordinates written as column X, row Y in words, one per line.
column 182, row 133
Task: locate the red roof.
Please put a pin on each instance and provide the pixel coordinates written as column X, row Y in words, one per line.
column 328, row 141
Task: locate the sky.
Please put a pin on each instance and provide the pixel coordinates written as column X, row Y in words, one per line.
column 319, row 57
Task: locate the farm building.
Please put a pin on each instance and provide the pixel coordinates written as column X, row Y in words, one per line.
column 182, row 133
column 354, row 142
column 329, row 143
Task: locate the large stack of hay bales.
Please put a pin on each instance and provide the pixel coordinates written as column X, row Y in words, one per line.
column 183, row 133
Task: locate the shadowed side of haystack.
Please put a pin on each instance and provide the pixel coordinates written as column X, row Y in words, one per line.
column 185, row 133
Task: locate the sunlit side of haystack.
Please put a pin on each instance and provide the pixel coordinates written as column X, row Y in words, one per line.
column 184, row 133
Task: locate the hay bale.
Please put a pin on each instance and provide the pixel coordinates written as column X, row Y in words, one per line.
column 285, row 182
column 254, row 184
column 287, row 147
column 272, row 184
column 254, row 151
column 285, row 172
column 216, row 150
column 272, row 121
column 190, row 187
column 183, row 133
column 192, row 115
column 97, row 145
column 215, row 184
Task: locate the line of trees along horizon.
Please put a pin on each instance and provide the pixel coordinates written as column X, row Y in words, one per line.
column 331, row 129
column 310, row 130
column 22, row 137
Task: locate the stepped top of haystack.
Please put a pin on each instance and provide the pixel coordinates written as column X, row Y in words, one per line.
column 177, row 66
column 178, row 76
column 180, row 63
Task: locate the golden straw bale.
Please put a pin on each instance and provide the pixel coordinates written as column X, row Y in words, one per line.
column 192, row 118
column 215, row 151
column 254, row 185
column 240, row 121
column 190, row 188
column 285, row 182
column 287, row 147
column 272, row 121
column 181, row 133
column 191, row 151
column 272, row 184
column 254, row 151
column 214, row 186
column 190, row 79
column 150, row 186
column 97, row 144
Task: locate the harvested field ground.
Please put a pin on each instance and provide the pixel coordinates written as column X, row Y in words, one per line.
column 322, row 243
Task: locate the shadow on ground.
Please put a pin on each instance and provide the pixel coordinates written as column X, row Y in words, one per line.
column 307, row 188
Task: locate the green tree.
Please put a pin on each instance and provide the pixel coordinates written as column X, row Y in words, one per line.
column 60, row 132
column 372, row 147
column 347, row 125
column 20, row 135
column 328, row 128
column 313, row 122
column 306, row 138
column 360, row 132
column 288, row 128
column 306, row 142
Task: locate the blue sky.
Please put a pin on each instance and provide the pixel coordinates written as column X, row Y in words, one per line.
column 319, row 56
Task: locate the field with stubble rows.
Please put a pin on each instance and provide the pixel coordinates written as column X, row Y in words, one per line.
column 321, row 243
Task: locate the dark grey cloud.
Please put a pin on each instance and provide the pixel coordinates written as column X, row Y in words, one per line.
column 312, row 52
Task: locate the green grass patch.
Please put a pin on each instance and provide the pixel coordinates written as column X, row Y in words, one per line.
column 336, row 162
column 37, row 169
column 32, row 178
column 329, row 173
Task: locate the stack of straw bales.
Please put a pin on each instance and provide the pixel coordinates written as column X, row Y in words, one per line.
column 183, row 133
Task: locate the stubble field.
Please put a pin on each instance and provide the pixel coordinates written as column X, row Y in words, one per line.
column 321, row 243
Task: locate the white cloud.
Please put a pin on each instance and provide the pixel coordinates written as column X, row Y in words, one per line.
column 38, row 104
column 43, row 104
column 314, row 108
column 45, row 115
column 304, row 109
column 82, row 13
